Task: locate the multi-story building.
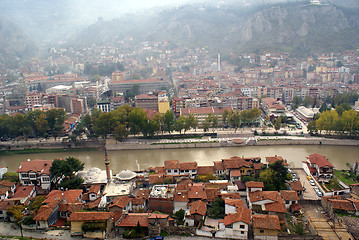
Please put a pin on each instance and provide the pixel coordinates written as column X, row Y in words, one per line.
column 244, row 103
column 36, row 173
column 318, row 166
column 147, row 101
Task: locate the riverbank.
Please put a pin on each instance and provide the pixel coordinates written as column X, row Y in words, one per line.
column 113, row 145
column 48, row 146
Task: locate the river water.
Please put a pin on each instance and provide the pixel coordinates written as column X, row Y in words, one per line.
column 126, row 159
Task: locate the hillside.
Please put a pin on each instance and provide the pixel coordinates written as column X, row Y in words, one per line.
column 296, row 28
column 14, row 44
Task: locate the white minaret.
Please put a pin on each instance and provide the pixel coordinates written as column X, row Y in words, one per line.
column 107, row 163
column 219, row 62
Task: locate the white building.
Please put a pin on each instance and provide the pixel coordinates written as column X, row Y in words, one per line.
column 36, row 172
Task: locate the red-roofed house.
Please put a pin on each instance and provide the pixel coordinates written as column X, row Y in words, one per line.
column 23, row 193
column 235, row 225
column 99, row 223
column 122, row 204
column 265, row 227
column 36, row 172
column 318, row 166
column 197, row 212
column 267, row 202
column 145, row 220
column 58, row 204
column 289, row 197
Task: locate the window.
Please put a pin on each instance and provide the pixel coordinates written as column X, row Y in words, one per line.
column 175, row 170
column 32, row 175
column 261, row 231
column 169, row 170
column 24, row 175
column 46, row 179
column 187, row 171
column 194, row 170
column 27, row 182
column 242, row 226
column 229, row 226
column 242, row 232
column 287, row 202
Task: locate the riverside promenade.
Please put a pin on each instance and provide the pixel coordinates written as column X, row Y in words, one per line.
column 209, row 142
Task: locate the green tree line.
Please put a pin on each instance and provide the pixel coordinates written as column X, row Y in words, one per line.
column 33, row 124
column 338, row 121
column 128, row 120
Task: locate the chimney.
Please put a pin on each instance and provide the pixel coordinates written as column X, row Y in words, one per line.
column 107, row 164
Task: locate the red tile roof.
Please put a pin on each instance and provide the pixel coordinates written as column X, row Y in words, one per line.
column 203, row 170
column 218, row 165
column 45, row 211
column 23, row 191
column 236, row 173
column 271, row 160
column 198, row 207
column 252, row 184
column 212, row 194
column 171, row 164
column 196, row 191
column 131, row 219
column 120, row 202
column 319, row 160
column 243, row 215
column 5, row 204
column 266, row 222
column 289, row 195
column 180, row 196
column 95, row 189
column 89, row 216
column 234, row 202
column 71, row 196
column 155, row 178
column 7, row 183
column 342, row 205
column 296, row 186
column 36, row 165
column 277, row 204
column 188, row 166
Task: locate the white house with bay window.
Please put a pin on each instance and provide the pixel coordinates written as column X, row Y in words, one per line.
column 36, row 172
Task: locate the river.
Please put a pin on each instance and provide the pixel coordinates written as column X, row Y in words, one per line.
column 126, row 159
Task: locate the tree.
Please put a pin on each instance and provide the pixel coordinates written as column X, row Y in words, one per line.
column 179, row 216
column 323, row 108
column 235, row 120
column 342, row 107
column 218, row 209
column 278, row 123
column 180, row 123
column 350, row 121
column 66, row 169
column 41, row 125
column 192, row 121
column 104, row 124
column 214, row 121
column 137, row 120
column 312, row 126
column 327, row 121
column 225, row 117
column 120, row 132
column 11, row 177
column 169, row 121
column 55, row 119
column 206, row 124
column 275, row 176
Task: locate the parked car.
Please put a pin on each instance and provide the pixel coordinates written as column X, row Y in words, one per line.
column 309, row 177
column 312, row 182
column 316, row 189
column 319, row 193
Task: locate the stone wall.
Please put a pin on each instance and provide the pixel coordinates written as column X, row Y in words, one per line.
column 180, row 230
